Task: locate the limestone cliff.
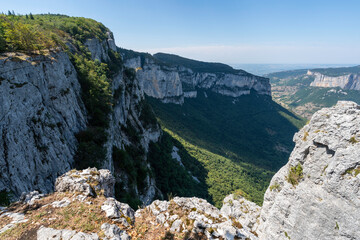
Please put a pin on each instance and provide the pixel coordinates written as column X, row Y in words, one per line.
column 172, row 82
column 347, row 81
column 316, row 195
column 156, row 80
column 42, row 110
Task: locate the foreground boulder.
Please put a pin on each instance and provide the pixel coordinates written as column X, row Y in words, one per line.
column 192, row 218
column 90, row 182
column 316, row 195
column 79, row 209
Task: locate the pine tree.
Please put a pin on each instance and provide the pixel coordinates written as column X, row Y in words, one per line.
column 31, row 16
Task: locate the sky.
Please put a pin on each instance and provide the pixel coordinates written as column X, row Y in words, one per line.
column 228, row 31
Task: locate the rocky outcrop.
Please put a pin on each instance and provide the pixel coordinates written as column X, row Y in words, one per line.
column 100, row 50
column 90, row 182
column 316, row 195
column 347, row 82
column 40, row 112
column 241, row 210
column 173, row 83
column 157, row 81
column 228, row 84
column 195, row 216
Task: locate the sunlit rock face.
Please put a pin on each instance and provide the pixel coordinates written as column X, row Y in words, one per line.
column 347, row 82
column 174, row 83
column 316, row 195
column 40, row 111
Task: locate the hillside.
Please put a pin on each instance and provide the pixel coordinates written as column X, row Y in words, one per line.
column 306, row 91
column 196, row 66
column 225, row 133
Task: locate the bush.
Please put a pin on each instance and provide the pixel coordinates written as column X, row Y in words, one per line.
column 147, row 115
column 295, row 175
column 5, row 198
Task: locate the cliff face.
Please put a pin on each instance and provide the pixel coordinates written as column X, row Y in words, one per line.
column 227, row 84
column 348, row 81
column 157, row 81
column 316, row 195
column 172, row 83
column 41, row 110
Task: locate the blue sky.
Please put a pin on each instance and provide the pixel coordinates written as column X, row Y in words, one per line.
column 229, row 31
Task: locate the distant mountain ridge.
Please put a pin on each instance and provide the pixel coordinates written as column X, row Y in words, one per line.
column 306, row 91
column 171, row 78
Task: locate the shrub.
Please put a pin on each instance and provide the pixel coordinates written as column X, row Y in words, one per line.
column 147, row 115
column 5, row 198
column 353, row 140
column 275, row 186
column 306, row 134
column 295, row 174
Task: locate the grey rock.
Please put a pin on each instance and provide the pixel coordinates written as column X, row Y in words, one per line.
column 175, row 227
column 113, row 232
column 45, row 233
column 89, row 182
column 166, row 83
column 347, row 82
column 243, row 211
column 205, row 217
column 40, row 112
column 16, row 219
column 325, row 203
column 31, row 197
column 117, row 210
column 62, row 203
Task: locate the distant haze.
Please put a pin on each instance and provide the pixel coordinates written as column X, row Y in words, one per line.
column 262, row 69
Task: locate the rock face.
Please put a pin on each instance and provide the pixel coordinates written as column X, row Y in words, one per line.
column 228, row 84
column 316, row 195
column 40, row 112
column 90, row 182
column 157, row 80
column 243, row 211
column 100, row 50
column 173, row 83
column 348, row 81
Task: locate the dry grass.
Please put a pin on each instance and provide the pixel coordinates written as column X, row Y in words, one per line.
column 78, row 216
column 4, row 220
column 147, row 228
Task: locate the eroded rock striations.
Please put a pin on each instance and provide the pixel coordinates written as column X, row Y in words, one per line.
column 316, row 195
column 171, row 83
column 42, row 110
column 347, row 82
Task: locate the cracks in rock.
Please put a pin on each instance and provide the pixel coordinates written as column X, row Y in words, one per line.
column 6, row 150
column 328, row 150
